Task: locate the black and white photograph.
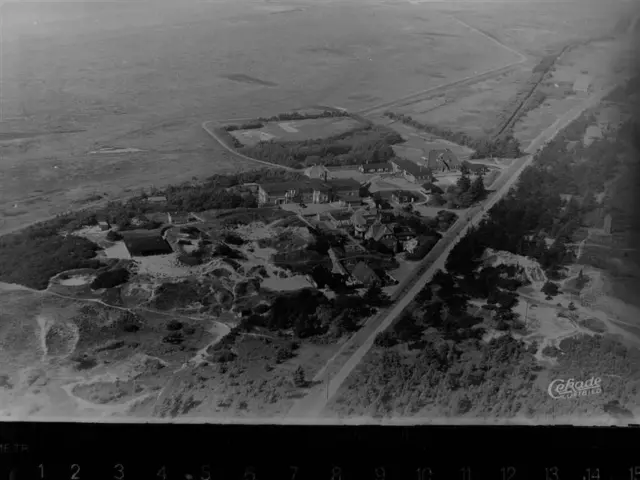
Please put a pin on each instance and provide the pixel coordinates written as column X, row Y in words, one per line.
column 339, row 212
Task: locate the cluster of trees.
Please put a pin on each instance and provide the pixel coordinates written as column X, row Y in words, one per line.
column 304, row 116
column 110, row 278
column 462, row 195
column 308, row 313
column 491, row 380
column 369, row 144
column 505, row 146
column 34, row 255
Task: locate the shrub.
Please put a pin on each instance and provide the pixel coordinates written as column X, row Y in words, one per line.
column 174, row 325
column 385, row 340
column 113, row 236
column 110, row 279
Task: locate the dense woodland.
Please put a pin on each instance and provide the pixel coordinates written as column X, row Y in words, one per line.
column 502, row 146
column 369, row 144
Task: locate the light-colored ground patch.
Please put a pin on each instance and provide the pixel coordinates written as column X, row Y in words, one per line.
column 76, row 280
column 288, row 127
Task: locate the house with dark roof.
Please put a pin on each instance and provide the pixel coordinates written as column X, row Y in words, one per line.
column 431, row 188
column 346, row 190
column 442, row 160
column 363, row 274
column 378, row 231
column 340, row 218
column 475, row 168
column 383, row 167
column 144, row 246
column 411, row 171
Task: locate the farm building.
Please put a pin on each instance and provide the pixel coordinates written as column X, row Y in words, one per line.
column 318, row 172
column 582, row 84
column 411, row 171
column 442, row 160
column 384, row 167
column 144, row 246
column 364, row 275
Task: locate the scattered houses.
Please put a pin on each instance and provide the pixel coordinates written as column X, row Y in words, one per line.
column 411, row 171
column 383, row 167
column 310, row 191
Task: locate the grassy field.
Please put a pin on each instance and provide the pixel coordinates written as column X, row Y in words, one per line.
column 297, row 130
column 124, row 75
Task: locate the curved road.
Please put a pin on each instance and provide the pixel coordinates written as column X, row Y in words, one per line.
column 332, row 376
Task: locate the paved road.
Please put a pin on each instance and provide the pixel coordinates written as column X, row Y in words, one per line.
column 332, row 376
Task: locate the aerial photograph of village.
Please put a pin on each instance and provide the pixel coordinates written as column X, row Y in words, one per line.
column 365, row 211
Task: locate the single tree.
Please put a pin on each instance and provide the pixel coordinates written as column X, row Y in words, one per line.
column 299, row 379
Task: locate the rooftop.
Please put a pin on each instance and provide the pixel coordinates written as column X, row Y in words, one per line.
column 412, row 168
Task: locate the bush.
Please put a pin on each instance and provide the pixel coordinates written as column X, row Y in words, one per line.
column 113, row 236
column 385, row 340
column 174, row 325
column 110, row 279
column 223, row 356
column 174, row 338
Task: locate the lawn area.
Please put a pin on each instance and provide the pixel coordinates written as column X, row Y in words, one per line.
column 297, row 130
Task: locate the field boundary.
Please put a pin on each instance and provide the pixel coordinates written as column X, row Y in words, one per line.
column 211, row 132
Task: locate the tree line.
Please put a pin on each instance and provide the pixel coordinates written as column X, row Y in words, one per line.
column 504, row 146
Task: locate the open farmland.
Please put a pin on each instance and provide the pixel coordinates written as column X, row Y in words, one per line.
column 128, row 76
column 472, row 109
column 536, row 28
column 297, row 130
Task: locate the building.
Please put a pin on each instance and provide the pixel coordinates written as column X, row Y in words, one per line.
column 442, row 160
column 582, row 85
column 431, row 188
column 277, row 193
column 475, row 168
column 364, row 275
column 157, row 199
column 144, row 246
column 346, row 190
column 360, row 223
column 319, row 172
column 178, row 218
column 104, row 225
column 384, row 167
column 403, row 233
column 340, row 218
column 412, row 171
column 378, row 232
column 403, row 196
